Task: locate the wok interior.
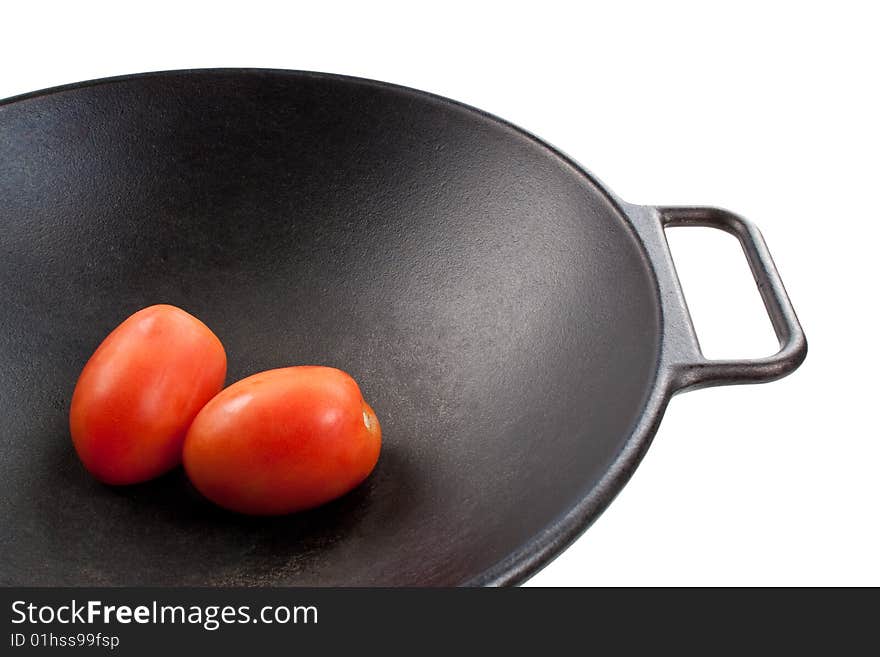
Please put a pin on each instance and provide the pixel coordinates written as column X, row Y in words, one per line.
column 491, row 302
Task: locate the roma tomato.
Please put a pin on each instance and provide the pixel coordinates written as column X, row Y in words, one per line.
column 282, row 441
column 139, row 392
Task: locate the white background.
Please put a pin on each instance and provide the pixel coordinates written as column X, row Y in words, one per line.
column 769, row 109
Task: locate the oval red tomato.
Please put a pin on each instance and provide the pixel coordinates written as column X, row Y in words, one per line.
column 139, row 392
column 283, row 440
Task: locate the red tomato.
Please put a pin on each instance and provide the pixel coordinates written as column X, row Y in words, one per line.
column 139, row 392
column 282, row 441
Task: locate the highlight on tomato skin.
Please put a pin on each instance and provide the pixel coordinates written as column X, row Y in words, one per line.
column 282, row 441
column 139, row 392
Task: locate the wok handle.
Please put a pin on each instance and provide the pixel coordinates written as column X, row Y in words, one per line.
column 692, row 369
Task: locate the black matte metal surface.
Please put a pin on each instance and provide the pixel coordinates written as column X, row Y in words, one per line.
column 493, row 301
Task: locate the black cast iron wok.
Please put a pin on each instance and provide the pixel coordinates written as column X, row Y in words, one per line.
column 518, row 328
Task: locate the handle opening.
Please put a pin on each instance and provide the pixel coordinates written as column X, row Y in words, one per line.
column 722, row 299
